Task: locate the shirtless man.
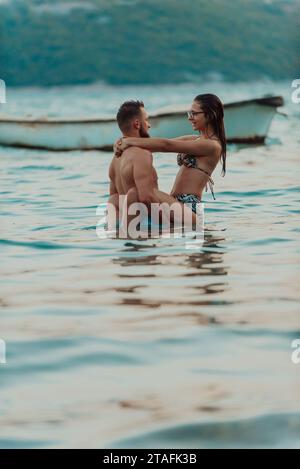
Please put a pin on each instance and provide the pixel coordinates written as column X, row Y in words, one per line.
column 133, row 173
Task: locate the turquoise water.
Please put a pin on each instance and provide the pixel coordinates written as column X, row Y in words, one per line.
column 123, row 343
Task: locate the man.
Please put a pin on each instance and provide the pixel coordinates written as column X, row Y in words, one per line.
column 133, row 173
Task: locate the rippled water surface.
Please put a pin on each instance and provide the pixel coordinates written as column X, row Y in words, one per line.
column 144, row 343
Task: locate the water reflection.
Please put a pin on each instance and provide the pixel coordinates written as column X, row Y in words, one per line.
column 174, row 282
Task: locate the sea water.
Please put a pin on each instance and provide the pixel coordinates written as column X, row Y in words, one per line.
column 145, row 343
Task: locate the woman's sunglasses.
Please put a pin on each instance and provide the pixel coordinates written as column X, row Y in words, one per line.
column 192, row 114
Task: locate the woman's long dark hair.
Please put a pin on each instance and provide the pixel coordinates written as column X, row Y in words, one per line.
column 214, row 113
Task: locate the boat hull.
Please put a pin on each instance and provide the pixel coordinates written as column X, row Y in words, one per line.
column 59, row 135
column 245, row 122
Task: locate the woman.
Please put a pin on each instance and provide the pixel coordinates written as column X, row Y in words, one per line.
column 197, row 156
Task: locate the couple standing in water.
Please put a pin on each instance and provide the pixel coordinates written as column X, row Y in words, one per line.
column 132, row 173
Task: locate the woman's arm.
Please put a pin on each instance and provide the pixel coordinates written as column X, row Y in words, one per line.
column 119, row 147
column 186, row 137
column 199, row 147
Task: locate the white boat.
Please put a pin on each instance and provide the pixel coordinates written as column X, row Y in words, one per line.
column 245, row 122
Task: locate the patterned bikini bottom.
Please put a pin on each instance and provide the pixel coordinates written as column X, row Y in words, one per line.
column 190, row 199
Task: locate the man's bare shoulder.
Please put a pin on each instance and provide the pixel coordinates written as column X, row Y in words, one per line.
column 137, row 152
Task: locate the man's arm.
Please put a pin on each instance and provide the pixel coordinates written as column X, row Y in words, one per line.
column 112, row 188
column 111, row 173
column 143, row 175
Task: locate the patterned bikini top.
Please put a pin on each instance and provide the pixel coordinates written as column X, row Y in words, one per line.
column 190, row 161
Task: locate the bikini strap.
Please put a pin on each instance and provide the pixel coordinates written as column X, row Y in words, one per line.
column 210, row 182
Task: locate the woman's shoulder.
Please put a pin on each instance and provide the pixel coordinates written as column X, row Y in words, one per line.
column 213, row 144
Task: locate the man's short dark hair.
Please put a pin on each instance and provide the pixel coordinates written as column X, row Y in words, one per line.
column 127, row 112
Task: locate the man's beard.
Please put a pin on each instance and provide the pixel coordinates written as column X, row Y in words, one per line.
column 143, row 133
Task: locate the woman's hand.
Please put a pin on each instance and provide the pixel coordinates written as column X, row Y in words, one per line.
column 121, row 145
column 117, row 148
